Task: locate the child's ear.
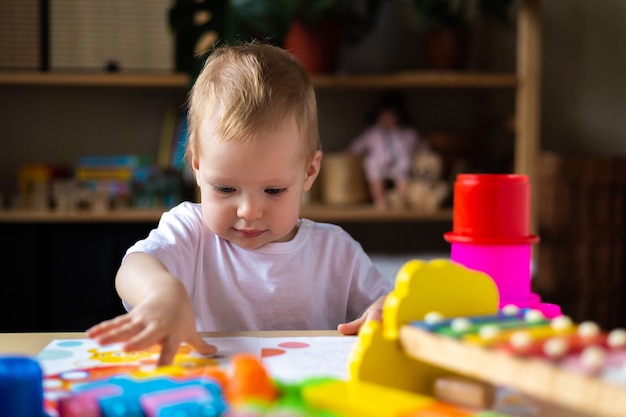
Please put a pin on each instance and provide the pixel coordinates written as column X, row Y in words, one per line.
column 312, row 170
column 195, row 167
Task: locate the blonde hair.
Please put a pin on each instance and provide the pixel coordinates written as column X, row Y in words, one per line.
column 246, row 88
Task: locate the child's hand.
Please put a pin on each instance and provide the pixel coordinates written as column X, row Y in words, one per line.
column 374, row 312
column 166, row 320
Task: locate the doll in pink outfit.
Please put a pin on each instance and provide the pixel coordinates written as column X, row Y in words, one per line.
column 387, row 148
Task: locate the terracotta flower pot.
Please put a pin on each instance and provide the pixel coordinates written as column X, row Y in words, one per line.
column 316, row 46
column 446, row 47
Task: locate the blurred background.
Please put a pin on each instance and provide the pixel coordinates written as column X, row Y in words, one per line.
column 92, row 98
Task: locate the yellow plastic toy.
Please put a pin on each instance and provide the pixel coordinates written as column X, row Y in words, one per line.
column 363, row 399
column 421, row 287
column 437, row 286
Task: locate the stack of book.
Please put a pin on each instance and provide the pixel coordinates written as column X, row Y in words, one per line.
column 111, row 175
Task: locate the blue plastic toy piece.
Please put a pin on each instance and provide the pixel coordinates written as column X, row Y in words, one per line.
column 21, row 387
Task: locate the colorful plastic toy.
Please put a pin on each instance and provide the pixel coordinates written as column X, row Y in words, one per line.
column 21, row 387
column 250, row 381
column 364, row 399
column 421, row 287
column 491, row 233
column 129, row 397
column 575, row 366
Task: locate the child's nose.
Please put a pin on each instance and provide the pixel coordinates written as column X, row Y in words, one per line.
column 249, row 208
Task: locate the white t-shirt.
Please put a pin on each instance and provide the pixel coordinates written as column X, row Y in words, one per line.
column 319, row 279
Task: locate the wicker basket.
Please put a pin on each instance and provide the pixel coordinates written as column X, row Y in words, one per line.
column 343, row 179
column 581, row 260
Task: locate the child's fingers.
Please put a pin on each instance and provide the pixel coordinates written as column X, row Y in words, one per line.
column 354, row 326
column 350, row 328
column 117, row 330
column 106, row 328
column 144, row 339
column 375, row 314
column 201, row 346
column 95, row 331
column 169, row 349
column 103, row 327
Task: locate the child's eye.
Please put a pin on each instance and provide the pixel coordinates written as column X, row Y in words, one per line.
column 224, row 190
column 275, row 191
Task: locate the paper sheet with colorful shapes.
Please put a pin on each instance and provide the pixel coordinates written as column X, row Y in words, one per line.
column 294, row 359
column 67, row 362
column 289, row 358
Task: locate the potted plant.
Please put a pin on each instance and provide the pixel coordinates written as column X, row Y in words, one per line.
column 447, row 26
column 311, row 29
column 319, row 28
column 195, row 26
column 266, row 20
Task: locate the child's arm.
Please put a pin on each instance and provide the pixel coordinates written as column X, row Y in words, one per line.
column 374, row 312
column 162, row 311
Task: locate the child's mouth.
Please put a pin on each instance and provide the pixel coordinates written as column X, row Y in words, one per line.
column 249, row 233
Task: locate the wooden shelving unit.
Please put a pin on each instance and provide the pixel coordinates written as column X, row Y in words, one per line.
column 368, row 213
column 417, row 79
column 525, row 82
column 414, row 79
column 319, row 212
column 88, row 79
column 113, row 216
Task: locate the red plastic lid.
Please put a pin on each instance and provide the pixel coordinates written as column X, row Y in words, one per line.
column 491, row 209
column 521, row 240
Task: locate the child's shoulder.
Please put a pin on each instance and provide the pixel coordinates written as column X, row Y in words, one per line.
column 185, row 210
column 333, row 239
column 188, row 207
column 324, row 230
column 321, row 226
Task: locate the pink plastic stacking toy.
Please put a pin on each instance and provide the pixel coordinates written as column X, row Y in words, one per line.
column 491, row 233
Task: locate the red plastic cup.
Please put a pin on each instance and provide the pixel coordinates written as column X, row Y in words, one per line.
column 491, row 233
column 491, row 209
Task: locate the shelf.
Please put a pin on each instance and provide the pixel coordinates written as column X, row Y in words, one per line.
column 113, row 216
column 86, row 79
column 417, row 79
column 423, row 79
column 369, row 213
column 314, row 212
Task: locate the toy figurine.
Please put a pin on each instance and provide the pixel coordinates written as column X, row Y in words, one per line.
column 387, row 147
column 426, row 189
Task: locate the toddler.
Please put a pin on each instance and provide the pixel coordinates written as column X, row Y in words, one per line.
column 242, row 259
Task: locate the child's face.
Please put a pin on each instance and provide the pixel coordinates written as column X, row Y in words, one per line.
column 251, row 190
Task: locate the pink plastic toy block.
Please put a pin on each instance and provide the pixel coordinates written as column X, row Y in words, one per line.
column 86, row 403
column 491, row 233
column 155, row 403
